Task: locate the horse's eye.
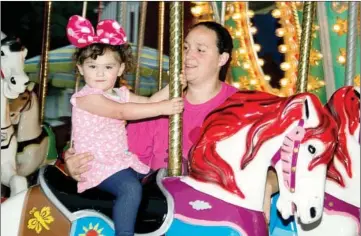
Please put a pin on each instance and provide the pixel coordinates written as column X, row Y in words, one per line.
column 13, row 81
column 311, row 149
column 2, row 53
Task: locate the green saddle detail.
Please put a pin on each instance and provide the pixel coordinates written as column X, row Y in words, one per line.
column 52, row 152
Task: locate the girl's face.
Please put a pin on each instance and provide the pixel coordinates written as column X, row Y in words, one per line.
column 202, row 60
column 101, row 73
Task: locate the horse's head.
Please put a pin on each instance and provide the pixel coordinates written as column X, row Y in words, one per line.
column 303, row 158
column 344, row 106
column 22, row 103
column 12, row 67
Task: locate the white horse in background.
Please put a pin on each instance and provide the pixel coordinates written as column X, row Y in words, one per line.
column 36, row 141
column 342, row 200
column 341, row 215
column 13, row 83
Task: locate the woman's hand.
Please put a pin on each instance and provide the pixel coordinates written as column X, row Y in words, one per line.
column 77, row 164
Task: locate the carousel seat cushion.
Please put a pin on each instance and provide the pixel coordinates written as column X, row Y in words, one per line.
column 151, row 213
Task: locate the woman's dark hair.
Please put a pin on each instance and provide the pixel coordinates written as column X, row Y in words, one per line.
column 224, row 43
column 123, row 54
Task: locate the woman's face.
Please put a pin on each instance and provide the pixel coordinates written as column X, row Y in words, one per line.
column 202, row 60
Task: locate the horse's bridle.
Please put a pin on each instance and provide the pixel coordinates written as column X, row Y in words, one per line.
column 289, row 155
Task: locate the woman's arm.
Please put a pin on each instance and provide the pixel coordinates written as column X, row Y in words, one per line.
column 102, row 106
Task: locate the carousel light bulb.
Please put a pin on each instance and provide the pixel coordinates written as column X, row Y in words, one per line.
column 282, row 48
column 276, row 13
column 253, row 30
column 267, row 77
column 341, row 59
column 336, row 28
column 197, row 10
column 280, row 32
column 236, row 16
column 257, row 47
column 253, row 82
column 285, row 66
column 284, row 82
column 246, row 65
column 260, row 62
column 250, row 13
column 238, row 33
column 242, row 51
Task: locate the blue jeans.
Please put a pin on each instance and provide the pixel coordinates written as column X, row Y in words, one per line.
column 127, row 189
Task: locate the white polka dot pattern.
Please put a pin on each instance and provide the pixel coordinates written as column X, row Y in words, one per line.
column 81, row 33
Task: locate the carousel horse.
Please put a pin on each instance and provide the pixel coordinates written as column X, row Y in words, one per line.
column 341, row 215
column 223, row 194
column 36, row 142
column 13, row 83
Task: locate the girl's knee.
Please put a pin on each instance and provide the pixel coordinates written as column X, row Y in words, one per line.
column 132, row 189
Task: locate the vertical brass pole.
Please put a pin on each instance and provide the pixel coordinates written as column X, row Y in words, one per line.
column 143, row 16
column 175, row 122
column 44, row 60
column 160, row 43
column 350, row 71
column 305, row 45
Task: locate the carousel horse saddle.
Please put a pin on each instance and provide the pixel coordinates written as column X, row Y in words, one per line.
column 151, row 214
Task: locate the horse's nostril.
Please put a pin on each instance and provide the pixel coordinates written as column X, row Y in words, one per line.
column 313, row 212
column 26, row 83
column 12, row 80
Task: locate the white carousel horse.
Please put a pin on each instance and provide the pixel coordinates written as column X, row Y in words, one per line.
column 341, row 214
column 36, row 142
column 223, row 195
column 13, row 82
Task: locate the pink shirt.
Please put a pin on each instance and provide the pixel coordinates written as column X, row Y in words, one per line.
column 149, row 139
column 105, row 138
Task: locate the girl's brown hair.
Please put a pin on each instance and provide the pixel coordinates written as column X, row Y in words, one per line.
column 123, row 53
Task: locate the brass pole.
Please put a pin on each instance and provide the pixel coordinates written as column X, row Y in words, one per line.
column 160, row 43
column 143, row 16
column 305, row 45
column 175, row 88
column 350, row 71
column 44, row 60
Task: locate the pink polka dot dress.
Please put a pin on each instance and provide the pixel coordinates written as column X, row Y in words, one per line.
column 105, row 138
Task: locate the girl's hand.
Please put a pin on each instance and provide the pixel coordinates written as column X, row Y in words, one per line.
column 171, row 107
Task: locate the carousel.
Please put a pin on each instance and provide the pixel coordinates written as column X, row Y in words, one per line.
column 308, row 133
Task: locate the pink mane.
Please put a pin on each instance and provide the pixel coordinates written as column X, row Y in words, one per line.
column 344, row 106
column 268, row 116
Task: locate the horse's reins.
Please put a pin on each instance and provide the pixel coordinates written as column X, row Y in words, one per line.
column 289, row 157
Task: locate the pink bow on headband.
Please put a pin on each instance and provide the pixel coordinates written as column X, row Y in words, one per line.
column 81, row 33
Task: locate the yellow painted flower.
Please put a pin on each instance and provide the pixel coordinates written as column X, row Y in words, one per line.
column 42, row 219
column 92, row 231
column 315, row 57
column 357, row 80
column 340, row 27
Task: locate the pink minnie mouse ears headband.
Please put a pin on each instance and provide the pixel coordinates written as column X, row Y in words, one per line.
column 81, row 33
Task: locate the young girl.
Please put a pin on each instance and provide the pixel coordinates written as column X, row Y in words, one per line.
column 99, row 114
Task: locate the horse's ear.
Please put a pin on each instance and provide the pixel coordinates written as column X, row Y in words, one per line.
column 309, row 113
column 24, row 53
column 30, row 86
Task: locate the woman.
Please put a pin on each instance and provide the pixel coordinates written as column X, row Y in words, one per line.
column 207, row 56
